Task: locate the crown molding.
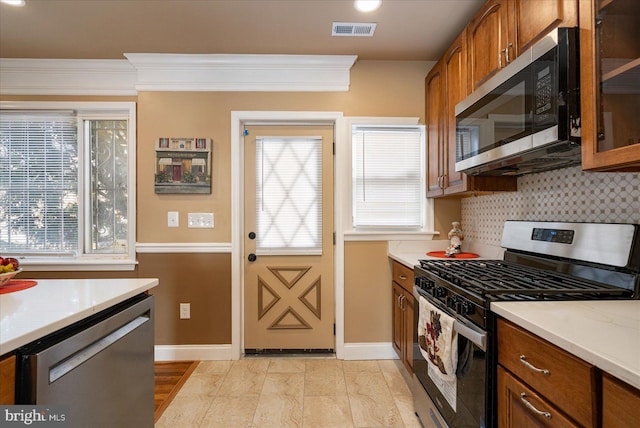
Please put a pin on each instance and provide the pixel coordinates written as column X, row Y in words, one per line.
column 175, row 72
column 26, row 76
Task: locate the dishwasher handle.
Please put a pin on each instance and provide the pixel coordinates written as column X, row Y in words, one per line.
column 83, row 355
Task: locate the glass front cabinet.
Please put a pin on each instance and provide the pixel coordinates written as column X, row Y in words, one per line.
column 610, row 84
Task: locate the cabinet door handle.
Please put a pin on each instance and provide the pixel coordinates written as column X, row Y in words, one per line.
column 531, row 407
column 402, row 304
column 402, row 277
column 506, row 52
column 500, row 58
column 527, row 364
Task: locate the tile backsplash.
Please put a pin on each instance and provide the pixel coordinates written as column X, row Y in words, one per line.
column 562, row 195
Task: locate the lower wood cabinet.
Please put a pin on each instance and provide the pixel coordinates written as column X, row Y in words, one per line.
column 7, row 380
column 560, row 388
column 520, row 407
column 541, row 385
column 620, row 404
column 403, row 326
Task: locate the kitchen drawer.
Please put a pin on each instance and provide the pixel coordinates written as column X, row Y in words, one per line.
column 519, row 406
column 620, row 403
column 403, row 276
column 567, row 381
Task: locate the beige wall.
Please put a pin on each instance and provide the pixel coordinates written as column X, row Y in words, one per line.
column 378, row 88
column 367, row 292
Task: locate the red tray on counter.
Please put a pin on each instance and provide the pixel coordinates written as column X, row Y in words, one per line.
column 17, row 285
column 443, row 255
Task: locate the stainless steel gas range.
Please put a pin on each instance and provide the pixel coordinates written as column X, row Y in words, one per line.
column 543, row 261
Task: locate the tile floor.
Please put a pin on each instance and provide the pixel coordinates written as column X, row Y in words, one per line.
column 293, row 392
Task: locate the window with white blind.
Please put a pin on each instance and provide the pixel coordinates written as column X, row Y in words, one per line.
column 388, row 184
column 67, row 188
column 289, row 196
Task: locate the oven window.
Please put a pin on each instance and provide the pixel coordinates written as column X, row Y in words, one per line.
column 471, row 386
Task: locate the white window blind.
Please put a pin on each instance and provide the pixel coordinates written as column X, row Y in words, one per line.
column 388, row 178
column 38, row 183
column 289, row 195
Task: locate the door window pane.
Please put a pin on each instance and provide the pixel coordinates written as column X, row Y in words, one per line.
column 289, row 195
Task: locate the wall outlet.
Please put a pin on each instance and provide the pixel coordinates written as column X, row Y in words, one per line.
column 185, row 311
column 200, row 220
column 173, row 219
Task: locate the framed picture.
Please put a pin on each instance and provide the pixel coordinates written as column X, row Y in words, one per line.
column 183, row 165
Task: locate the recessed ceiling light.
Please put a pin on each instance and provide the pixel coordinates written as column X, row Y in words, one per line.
column 367, row 5
column 13, row 2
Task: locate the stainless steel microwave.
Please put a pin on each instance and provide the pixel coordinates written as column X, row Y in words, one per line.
column 526, row 118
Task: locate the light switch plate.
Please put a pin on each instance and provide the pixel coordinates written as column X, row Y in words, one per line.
column 173, row 219
column 200, row 220
column 185, row 311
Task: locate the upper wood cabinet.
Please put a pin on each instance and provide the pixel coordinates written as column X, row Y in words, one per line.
column 503, row 29
column 446, row 86
column 435, row 130
column 488, row 37
column 455, row 90
column 610, row 84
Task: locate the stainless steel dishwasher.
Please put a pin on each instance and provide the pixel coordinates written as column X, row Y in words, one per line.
column 100, row 368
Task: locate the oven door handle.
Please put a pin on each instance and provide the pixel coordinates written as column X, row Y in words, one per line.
column 477, row 338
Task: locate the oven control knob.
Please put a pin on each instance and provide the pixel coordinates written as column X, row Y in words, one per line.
column 440, row 292
column 452, row 301
column 465, row 308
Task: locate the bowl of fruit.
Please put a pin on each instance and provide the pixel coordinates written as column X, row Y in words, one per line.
column 9, row 267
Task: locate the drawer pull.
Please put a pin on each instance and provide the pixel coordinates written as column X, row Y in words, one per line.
column 402, row 277
column 527, row 364
column 531, row 407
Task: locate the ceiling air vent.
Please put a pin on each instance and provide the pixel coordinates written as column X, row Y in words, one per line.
column 353, row 29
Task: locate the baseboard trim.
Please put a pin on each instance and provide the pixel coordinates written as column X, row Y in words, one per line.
column 192, row 352
column 369, row 351
column 352, row 351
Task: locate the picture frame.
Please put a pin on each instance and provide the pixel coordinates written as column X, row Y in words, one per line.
column 183, row 165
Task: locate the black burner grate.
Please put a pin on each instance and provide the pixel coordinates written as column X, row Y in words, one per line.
column 503, row 278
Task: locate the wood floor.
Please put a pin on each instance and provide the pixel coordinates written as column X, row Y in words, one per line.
column 169, row 378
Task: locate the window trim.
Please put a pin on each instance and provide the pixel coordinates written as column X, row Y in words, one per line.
column 381, row 233
column 91, row 110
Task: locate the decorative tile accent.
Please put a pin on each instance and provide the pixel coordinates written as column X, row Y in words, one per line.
column 567, row 194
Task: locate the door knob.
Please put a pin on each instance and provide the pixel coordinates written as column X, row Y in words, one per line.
column 252, row 257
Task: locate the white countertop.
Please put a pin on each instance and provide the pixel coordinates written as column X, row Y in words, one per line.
column 604, row 333
column 29, row 314
column 409, row 252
